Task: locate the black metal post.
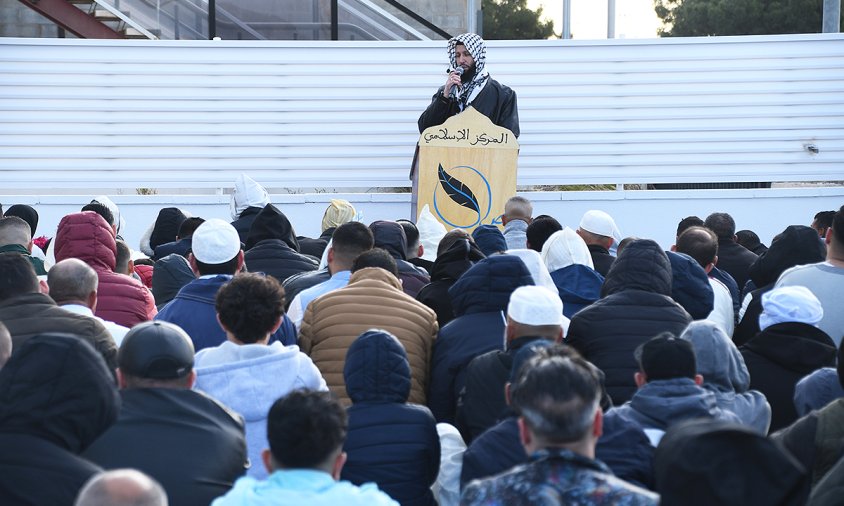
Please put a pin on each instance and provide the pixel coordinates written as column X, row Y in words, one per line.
column 212, row 19
column 335, row 21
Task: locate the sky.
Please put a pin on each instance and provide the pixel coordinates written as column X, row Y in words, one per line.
column 635, row 19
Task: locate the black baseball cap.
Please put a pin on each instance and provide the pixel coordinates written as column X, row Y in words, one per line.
column 156, row 350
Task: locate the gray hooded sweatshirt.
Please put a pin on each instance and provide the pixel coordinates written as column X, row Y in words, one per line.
column 725, row 375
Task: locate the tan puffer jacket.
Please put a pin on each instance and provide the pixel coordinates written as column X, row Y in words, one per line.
column 373, row 299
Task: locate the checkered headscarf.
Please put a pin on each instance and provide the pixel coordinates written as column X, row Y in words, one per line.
column 477, row 48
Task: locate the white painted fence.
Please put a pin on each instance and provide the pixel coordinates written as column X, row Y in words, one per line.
column 193, row 114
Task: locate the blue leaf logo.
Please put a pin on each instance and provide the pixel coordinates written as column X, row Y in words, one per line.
column 457, row 191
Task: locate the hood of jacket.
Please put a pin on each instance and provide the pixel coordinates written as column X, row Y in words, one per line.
column 796, row 245
column 536, row 267
column 490, row 239
column 487, row 285
column 271, row 223
column 642, row 265
column 390, row 236
column 565, row 248
column 166, row 226
column 169, row 275
column 661, row 403
column 718, row 359
column 377, row 369
column 798, row 347
column 456, row 260
column 249, row 378
column 88, row 237
column 57, row 388
column 247, row 193
column 578, row 284
column 690, row 285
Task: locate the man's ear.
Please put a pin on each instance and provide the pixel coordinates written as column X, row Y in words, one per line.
column 640, row 378
column 525, row 437
column 131, row 267
column 330, row 257
column 267, row 458
column 191, row 379
column 828, row 236
column 91, row 302
column 240, row 262
column 507, row 392
column 420, row 251
column 698, row 379
column 339, row 462
column 560, row 336
column 277, row 325
column 28, row 246
column 192, row 262
column 598, row 424
column 121, row 380
column 674, row 248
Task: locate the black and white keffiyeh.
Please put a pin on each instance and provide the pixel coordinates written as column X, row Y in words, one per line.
column 477, row 48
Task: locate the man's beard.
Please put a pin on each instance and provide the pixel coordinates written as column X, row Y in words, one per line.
column 468, row 74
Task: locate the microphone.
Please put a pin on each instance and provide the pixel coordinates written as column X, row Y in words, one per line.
column 455, row 90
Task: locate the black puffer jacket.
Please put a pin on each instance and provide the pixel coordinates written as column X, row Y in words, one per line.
column 778, row 357
column 796, row 245
column 190, row 443
column 272, row 248
column 446, row 270
column 636, row 306
column 56, row 397
column 480, row 300
column 389, row 235
column 389, row 442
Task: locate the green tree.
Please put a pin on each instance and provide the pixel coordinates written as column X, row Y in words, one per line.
column 691, row 18
column 513, row 20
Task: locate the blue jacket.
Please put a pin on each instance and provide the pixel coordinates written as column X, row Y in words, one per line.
column 193, row 310
column 479, row 299
column 690, row 285
column 302, row 486
column 389, row 442
column 661, row 403
column 578, row 286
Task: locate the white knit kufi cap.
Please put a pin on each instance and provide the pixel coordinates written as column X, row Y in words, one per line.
column 215, row 242
column 790, row 304
column 536, row 305
column 600, row 223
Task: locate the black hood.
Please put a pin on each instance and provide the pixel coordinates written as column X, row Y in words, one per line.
column 57, row 388
column 642, row 265
column 706, row 462
column 456, row 260
column 389, row 235
column 795, row 346
column 796, row 245
column 271, row 223
column 166, row 226
column 26, row 213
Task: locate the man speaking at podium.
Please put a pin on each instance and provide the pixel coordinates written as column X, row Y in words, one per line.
column 468, row 84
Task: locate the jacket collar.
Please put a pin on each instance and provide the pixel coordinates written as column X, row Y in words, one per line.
column 375, row 274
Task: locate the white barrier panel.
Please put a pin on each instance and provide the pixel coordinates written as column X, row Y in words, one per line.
column 645, row 214
column 193, row 114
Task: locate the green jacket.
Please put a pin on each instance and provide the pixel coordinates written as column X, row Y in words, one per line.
column 37, row 263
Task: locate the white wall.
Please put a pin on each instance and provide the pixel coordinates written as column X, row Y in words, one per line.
column 645, row 214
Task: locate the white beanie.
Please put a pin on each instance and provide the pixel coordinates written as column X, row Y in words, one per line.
column 790, row 304
column 600, row 223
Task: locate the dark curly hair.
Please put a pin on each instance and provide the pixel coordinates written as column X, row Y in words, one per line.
column 250, row 305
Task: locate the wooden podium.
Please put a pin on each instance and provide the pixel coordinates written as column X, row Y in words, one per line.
column 465, row 170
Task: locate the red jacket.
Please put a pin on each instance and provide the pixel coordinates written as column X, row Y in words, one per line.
column 121, row 299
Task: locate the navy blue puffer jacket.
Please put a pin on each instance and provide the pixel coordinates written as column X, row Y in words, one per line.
column 636, row 306
column 389, row 442
column 479, row 298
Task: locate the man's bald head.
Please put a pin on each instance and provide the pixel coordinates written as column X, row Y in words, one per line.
column 122, row 487
column 14, row 230
column 71, row 280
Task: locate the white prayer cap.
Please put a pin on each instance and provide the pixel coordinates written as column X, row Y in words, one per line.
column 600, row 223
column 790, row 304
column 536, row 305
column 215, row 242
